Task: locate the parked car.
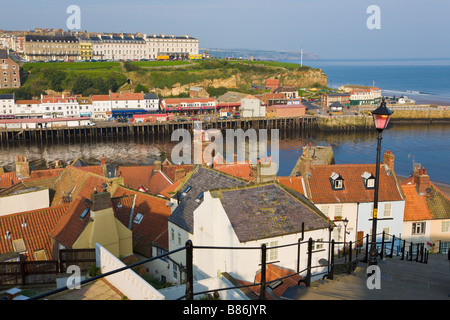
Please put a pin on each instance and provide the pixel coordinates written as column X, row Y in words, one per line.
column 222, row 118
column 182, row 120
column 236, row 116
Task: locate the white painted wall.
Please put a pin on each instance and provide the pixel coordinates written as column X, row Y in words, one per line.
column 212, row 228
column 394, row 223
column 22, row 202
column 128, row 282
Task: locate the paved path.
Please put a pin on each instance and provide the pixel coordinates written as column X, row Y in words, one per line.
column 400, row 280
column 96, row 290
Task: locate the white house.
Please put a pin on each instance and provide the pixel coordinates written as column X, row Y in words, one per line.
column 250, row 216
column 7, row 105
column 347, row 191
column 185, row 202
column 151, row 103
column 127, row 100
column 101, row 105
column 28, row 109
column 252, row 108
column 60, row 106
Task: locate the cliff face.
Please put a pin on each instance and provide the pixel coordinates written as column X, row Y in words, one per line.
column 287, row 78
column 304, row 78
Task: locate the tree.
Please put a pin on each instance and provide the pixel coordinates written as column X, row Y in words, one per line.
column 141, row 88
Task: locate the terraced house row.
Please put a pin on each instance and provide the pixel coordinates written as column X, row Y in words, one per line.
column 73, row 46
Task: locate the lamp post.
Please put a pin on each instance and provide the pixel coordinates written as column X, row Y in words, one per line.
column 381, row 117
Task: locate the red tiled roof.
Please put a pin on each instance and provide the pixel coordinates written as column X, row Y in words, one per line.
column 8, row 179
column 126, row 96
column 272, row 273
column 101, row 97
column 28, row 102
column 36, row 232
column 136, row 176
column 94, row 169
column 69, row 227
column 74, row 181
column 294, row 183
column 153, row 224
column 354, row 189
column 415, row 205
column 240, row 170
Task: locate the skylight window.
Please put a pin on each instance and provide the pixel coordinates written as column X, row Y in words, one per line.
column 84, row 213
column 199, row 197
column 19, row 245
column 188, row 188
column 138, row 218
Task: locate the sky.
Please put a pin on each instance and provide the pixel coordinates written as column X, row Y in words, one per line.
column 331, row 29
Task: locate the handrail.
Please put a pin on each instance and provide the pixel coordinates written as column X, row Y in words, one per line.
column 189, row 247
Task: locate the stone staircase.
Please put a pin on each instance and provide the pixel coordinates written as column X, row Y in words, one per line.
column 400, row 280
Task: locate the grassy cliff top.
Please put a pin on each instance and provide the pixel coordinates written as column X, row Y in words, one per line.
column 89, row 78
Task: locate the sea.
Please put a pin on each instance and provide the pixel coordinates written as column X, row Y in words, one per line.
column 427, row 81
column 424, row 80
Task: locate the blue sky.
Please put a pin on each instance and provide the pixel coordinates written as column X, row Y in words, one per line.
column 329, row 28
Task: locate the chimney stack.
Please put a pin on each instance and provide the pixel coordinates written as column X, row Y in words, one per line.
column 388, row 159
column 422, row 180
column 100, row 201
column 22, row 167
column 157, row 165
column 103, row 160
column 180, row 174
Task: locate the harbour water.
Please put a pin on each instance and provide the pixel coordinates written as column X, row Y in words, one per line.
column 427, row 144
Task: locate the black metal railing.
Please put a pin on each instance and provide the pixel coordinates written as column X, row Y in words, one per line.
column 355, row 252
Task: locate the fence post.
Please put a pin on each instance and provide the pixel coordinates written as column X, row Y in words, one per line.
column 422, row 247
column 366, row 258
column 22, row 267
column 262, row 294
column 349, row 267
column 298, row 255
column 308, row 273
column 392, row 246
column 417, row 252
column 382, row 246
column 331, row 272
column 410, row 252
column 403, row 249
column 426, row 256
column 189, row 271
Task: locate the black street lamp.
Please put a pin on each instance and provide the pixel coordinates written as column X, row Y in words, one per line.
column 345, row 221
column 381, row 117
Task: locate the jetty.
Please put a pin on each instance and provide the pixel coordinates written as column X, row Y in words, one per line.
column 107, row 129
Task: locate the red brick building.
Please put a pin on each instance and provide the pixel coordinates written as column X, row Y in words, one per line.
column 10, row 74
column 286, row 110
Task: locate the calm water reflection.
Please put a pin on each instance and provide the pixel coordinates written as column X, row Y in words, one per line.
column 425, row 144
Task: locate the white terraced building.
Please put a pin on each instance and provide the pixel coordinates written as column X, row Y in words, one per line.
column 182, row 46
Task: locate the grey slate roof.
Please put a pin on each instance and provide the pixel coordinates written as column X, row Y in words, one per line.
column 6, row 96
column 150, row 95
column 202, row 180
column 269, row 210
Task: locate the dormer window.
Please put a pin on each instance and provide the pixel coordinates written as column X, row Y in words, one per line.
column 368, row 180
column 337, row 182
